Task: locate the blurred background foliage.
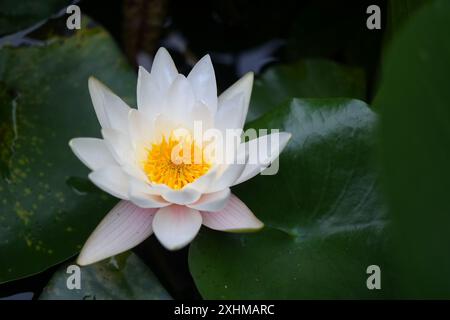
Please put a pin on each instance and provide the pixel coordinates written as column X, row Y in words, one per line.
column 363, row 181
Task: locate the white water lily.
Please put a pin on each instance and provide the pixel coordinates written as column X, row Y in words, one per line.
column 131, row 162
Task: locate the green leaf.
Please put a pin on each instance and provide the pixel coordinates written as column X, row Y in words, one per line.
column 17, row 15
column 305, row 79
column 47, row 205
column 123, row 277
column 415, row 143
column 400, row 11
column 324, row 218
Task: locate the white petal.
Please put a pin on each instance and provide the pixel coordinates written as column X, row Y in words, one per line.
column 141, row 127
column 180, row 100
column 203, row 82
column 150, row 99
column 203, row 183
column 163, row 70
column 92, row 152
column 119, row 145
column 141, row 195
column 235, row 217
column 200, row 112
column 260, row 157
column 133, row 170
column 112, row 180
column 111, row 111
column 176, row 226
column 212, row 201
column 182, row 196
column 229, row 173
column 125, row 226
column 231, row 114
column 242, row 86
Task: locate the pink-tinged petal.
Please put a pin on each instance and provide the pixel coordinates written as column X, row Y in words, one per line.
column 176, row 226
column 92, row 152
column 150, row 99
column 243, row 86
column 163, row 70
column 123, row 228
column 215, row 201
column 262, row 153
column 112, row 180
column 235, row 217
column 203, row 82
column 111, row 111
column 140, row 193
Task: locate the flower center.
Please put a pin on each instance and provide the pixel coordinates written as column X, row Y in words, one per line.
column 175, row 162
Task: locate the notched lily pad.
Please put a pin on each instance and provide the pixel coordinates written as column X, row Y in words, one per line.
column 44, row 218
column 325, row 220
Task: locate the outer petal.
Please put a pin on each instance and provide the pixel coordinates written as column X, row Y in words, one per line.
column 92, row 152
column 176, row 226
column 242, row 86
column 163, row 70
column 112, row 180
column 212, row 201
column 141, row 195
column 203, row 82
column 125, row 226
column 259, row 155
column 111, row 111
column 235, row 217
column 150, row 99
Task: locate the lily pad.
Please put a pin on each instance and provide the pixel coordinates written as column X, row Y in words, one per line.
column 17, row 15
column 305, row 79
column 324, row 218
column 123, row 277
column 47, row 205
column 415, row 140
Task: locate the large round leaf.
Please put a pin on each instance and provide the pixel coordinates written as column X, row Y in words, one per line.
column 17, row 15
column 305, row 79
column 47, row 205
column 415, row 138
column 123, row 277
column 325, row 223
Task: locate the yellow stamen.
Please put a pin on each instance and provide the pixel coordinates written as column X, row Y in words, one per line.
column 175, row 162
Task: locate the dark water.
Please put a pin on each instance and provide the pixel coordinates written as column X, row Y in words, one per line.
column 240, row 36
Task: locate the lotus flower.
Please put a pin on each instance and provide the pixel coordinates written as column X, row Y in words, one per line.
column 134, row 163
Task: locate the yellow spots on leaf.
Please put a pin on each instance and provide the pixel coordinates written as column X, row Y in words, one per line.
column 23, row 214
column 29, row 242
